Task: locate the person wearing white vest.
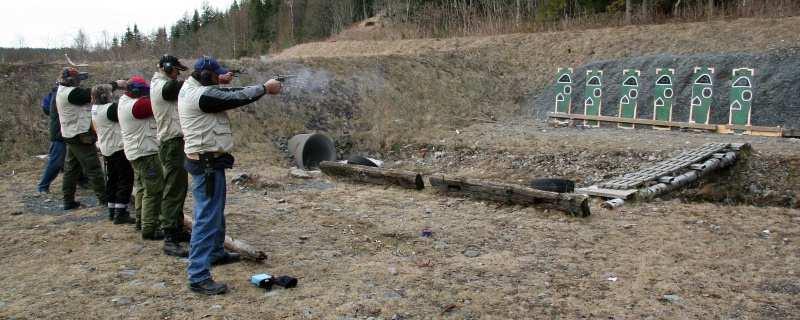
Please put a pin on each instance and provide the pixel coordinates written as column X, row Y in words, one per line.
column 119, row 173
column 139, row 138
column 164, row 88
column 203, row 106
column 74, row 110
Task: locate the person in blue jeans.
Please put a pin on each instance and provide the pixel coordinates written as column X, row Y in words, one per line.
column 58, row 150
column 202, row 108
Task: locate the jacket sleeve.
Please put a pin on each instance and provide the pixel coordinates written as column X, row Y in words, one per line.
column 111, row 113
column 220, row 99
column 80, row 96
column 142, row 108
column 171, row 89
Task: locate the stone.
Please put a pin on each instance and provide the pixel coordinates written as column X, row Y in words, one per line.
column 122, row 301
column 671, row 298
column 472, row 253
column 440, row 245
column 299, row 173
column 216, row 307
column 392, row 295
column 128, row 273
column 159, row 285
column 393, row 270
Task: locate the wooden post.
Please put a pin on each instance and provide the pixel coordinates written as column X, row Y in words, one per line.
column 243, row 248
column 373, row 175
column 574, row 204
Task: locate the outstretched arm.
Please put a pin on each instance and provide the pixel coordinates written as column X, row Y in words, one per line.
column 217, row 100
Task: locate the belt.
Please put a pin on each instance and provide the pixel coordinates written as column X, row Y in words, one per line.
column 196, row 156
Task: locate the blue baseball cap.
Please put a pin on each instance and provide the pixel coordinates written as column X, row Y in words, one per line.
column 209, row 63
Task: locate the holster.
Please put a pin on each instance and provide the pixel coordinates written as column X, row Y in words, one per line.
column 207, row 163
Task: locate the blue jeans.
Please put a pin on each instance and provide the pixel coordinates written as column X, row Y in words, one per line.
column 55, row 162
column 208, row 231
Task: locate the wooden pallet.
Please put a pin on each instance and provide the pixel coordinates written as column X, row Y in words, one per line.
column 627, row 185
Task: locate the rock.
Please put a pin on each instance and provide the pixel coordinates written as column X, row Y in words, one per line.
column 136, row 283
column 392, row 295
column 393, row 270
column 471, row 253
column 128, row 273
column 299, row 173
column 159, row 285
column 440, row 245
column 281, row 200
column 307, row 313
column 16, row 213
column 216, row 307
column 122, row 301
column 671, row 298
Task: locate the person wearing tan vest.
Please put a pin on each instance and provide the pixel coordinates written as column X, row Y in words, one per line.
column 74, row 111
column 139, row 137
column 119, row 173
column 203, row 106
column 164, row 88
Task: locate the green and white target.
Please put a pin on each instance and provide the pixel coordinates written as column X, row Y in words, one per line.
column 741, row 96
column 702, row 95
column 663, row 95
column 629, row 102
column 593, row 103
column 563, row 89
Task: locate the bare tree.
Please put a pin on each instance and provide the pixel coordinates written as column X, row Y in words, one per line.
column 628, row 9
column 81, row 42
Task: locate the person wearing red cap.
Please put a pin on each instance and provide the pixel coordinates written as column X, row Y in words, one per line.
column 164, row 88
column 139, row 137
column 73, row 104
column 203, row 106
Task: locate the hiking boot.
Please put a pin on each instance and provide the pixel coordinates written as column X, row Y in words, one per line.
column 111, row 213
column 182, row 235
column 71, row 205
column 156, row 235
column 227, row 258
column 172, row 247
column 208, row 287
column 123, row 217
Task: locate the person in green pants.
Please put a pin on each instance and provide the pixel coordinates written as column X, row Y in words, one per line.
column 75, row 116
column 164, row 88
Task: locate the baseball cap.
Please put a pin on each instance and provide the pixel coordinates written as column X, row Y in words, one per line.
column 137, row 83
column 209, row 63
column 73, row 73
column 169, row 60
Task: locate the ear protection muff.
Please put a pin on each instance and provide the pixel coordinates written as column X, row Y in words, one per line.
column 207, row 77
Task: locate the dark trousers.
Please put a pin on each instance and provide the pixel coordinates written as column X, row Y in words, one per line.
column 119, row 178
column 83, row 156
column 176, row 181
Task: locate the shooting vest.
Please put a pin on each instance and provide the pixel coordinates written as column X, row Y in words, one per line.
column 166, row 112
column 203, row 132
column 74, row 119
column 138, row 135
column 109, row 134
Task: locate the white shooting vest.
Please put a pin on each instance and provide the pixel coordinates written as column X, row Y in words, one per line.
column 109, row 134
column 166, row 112
column 138, row 135
column 74, row 119
column 203, row 132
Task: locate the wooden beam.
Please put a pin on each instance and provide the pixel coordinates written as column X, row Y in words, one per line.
column 243, row 248
column 574, row 204
column 687, row 125
column 791, row 133
column 373, row 175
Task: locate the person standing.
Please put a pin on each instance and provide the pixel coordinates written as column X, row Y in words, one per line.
column 119, row 173
column 58, row 150
column 164, row 99
column 74, row 111
column 203, row 106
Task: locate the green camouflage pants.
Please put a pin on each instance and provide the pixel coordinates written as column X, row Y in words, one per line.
column 84, row 156
column 176, row 181
column 150, row 185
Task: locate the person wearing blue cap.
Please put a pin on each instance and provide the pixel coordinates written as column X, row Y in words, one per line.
column 75, row 116
column 202, row 106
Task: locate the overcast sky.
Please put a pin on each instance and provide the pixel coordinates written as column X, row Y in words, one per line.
column 54, row 23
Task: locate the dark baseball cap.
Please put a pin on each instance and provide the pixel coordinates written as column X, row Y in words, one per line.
column 168, row 60
column 209, row 63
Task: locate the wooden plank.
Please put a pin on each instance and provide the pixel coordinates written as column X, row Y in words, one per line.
column 791, row 133
column 243, row 248
column 606, row 193
column 574, row 204
column 373, row 175
column 634, row 121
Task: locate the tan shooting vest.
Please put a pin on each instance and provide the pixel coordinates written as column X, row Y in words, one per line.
column 138, row 135
column 74, row 119
column 109, row 134
column 166, row 112
column 203, row 132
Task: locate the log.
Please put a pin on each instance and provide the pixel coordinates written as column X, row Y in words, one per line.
column 243, row 248
column 373, row 175
column 572, row 203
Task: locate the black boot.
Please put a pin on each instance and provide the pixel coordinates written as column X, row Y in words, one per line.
column 182, row 235
column 123, row 217
column 208, row 287
column 111, row 213
column 70, row 205
column 157, row 235
column 227, row 258
column 172, row 247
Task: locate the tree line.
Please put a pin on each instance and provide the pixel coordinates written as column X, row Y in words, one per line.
column 258, row 27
